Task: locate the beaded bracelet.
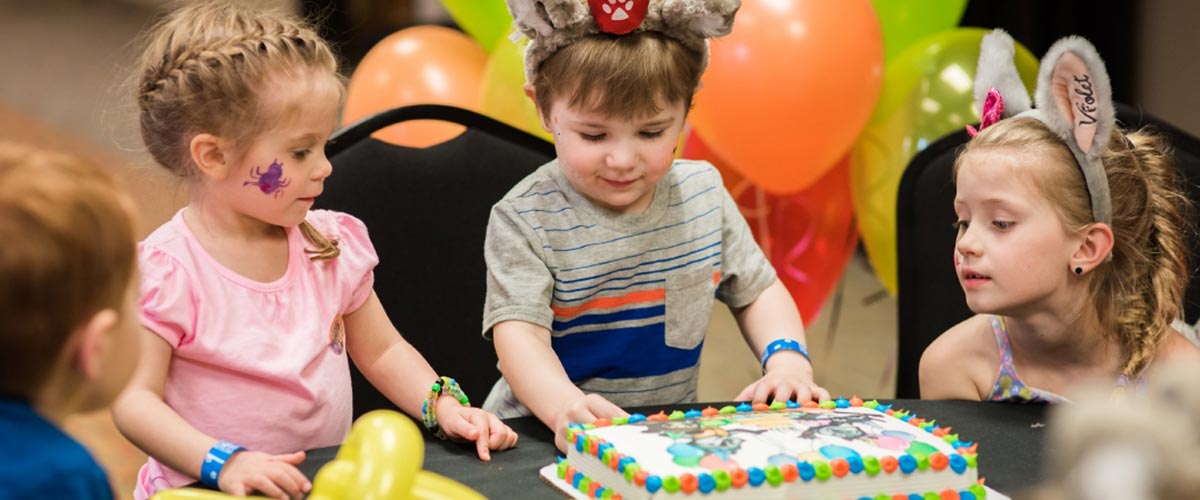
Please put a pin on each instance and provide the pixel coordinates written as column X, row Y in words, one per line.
column 443, row 385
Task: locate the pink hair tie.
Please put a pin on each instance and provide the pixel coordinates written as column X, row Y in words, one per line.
column 993, row 110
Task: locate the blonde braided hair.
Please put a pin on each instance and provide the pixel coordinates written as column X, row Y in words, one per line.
column 1140, row 292
column 205, row 68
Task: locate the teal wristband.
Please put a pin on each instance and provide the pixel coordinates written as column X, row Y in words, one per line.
column 783, row 345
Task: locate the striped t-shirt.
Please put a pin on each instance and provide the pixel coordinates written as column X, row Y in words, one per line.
column 627, row 297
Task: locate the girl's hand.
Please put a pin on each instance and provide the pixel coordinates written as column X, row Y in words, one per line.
column 465, row 423
column 275, row 476
column 786, row 378
column 583, row 410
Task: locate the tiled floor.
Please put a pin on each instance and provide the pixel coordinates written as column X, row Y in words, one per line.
column 63, row 65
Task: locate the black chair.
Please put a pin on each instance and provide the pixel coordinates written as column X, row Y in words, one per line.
column 427, row 211
column 930, row 299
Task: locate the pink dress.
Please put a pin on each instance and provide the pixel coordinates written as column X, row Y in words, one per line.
column 262, row 365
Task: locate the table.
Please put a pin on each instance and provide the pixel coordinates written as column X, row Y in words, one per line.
column 1010, row 438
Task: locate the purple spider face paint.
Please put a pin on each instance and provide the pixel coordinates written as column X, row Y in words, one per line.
column 271, row 181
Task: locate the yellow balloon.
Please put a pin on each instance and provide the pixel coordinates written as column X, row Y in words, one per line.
column 380, row 460
column 928, row 92
column 503, row 89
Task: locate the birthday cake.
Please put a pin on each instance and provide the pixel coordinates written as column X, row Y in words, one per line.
column 844, row 449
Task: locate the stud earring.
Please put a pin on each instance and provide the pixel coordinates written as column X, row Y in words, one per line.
column 1078, row 270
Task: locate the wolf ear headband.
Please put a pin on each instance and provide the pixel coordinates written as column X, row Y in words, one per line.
column 553, row 24
column 1073, row 98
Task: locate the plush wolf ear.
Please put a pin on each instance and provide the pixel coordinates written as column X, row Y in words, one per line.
column 997, row 71
column 1074, row 97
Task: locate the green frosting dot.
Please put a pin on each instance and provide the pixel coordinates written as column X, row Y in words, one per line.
column 628, row 475
column 607, row 493
column 588, row 427
column 774, row 477
column 562, row 469
column 932, row 496
column 950, row 438
column 978, row 491
column 675, row 415
column 882, row 497
column 606, row 454
column 972, row 461
column 822, row 469
column 722, row 478
column 632, row 466
column 584, row 483
column 871, row 404
column 620, row 420
column 871, row 465
column 726, row 410
column 923, row 462
column 777, row 405
column 671, row 484
column 828, row 404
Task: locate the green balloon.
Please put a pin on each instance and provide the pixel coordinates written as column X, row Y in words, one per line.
column 928, row 91
column 906, row 21
column 487, row 21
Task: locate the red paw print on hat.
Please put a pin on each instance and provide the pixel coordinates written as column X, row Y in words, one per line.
column 618, row 16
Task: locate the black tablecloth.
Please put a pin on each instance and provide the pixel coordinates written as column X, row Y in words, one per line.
column 1010, row 441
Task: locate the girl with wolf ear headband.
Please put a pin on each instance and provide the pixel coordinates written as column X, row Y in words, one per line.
column 1070, row 244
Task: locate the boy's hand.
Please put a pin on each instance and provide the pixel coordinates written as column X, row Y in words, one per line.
column 583, row 410
column 275, row 476
column 465, row 423
column 789, row 376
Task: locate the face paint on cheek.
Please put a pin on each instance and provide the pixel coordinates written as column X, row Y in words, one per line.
column 270, row 182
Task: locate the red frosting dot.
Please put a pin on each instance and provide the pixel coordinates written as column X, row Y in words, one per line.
column 592, row 487
column 856, row 401
column 710, row 411
column 899, row 497
column 809, row 404
column 760, row 407
column 639, row 477
column 840, row 467
column 950, row 495
column 570, row 472
column 602, row 422
column 613, row 460
column 688, row 483
column 938, row 460
column 738, row 477
column 657, row 417
column 889, row 464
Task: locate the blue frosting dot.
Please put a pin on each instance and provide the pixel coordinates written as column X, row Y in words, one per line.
column 636, row 417
column 599, row 492
column 745, row 407
column 856, row 464
column 883, row 408
column 575, row 480
column 653, row 483
column 908, row 463
column 914, row 496
column 792, row 404
column 966, row 495
column 842, row 403
column 693, row 413
column 706, row 483
column 579, row 444
column 623, row 462
column 958, row 463
column 756, row 476
column 807, row 471
column 575, row 426
column 906, row 417
column 603, row 446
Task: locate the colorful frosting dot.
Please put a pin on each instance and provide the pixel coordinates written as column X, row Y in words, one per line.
column 889, row 464
column 856, row 401
column 972, row 461
column 871, row 404
column 721, row 480
column 871, row 465
column 623, row 463
column 744, row 408
column 562, row 469
column 958, row 463
column 790, row 472
column 620, row 420
column 739, row 477
column 670, row 484
column 657, row 417
column 915, row 496
column 636, row 417
column 931, row 496
column 706, row 483
column 791, row 404
column 840, row 467
column 653, row 483
column 760, row 407
column 641, row 478
column 855, row 463
column 727, row 409
column 828, row 404
column 978, row 491
column 807, row 471
column 822, row 469
column 938, row 461
column 923, row 462
column 582, row 483
column 949, row 495
column 809, row 404
column 756, row 476
column 675, row 415
column 774, row 477
column 602, row 422
column 688, row 483
column 908, row 463
column 966, row 495
column 693, row 413
column 842, row 403
column 708, row 412
column 777, row 405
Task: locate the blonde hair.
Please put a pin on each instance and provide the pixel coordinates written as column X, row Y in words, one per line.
column 206, row 67
column 69, row 251
column 623, row 76
column 1140, row 292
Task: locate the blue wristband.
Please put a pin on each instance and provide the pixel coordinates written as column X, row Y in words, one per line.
column 783, row 345
column 215, row 460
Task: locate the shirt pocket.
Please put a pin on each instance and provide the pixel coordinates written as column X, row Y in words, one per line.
column 689, row 304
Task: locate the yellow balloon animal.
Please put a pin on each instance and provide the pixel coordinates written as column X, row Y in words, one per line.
column 381, row 460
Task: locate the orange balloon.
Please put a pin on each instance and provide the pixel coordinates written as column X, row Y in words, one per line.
column 418, row 65
column 789, row 90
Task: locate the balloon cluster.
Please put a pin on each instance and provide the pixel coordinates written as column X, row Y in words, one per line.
column 810, row 109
